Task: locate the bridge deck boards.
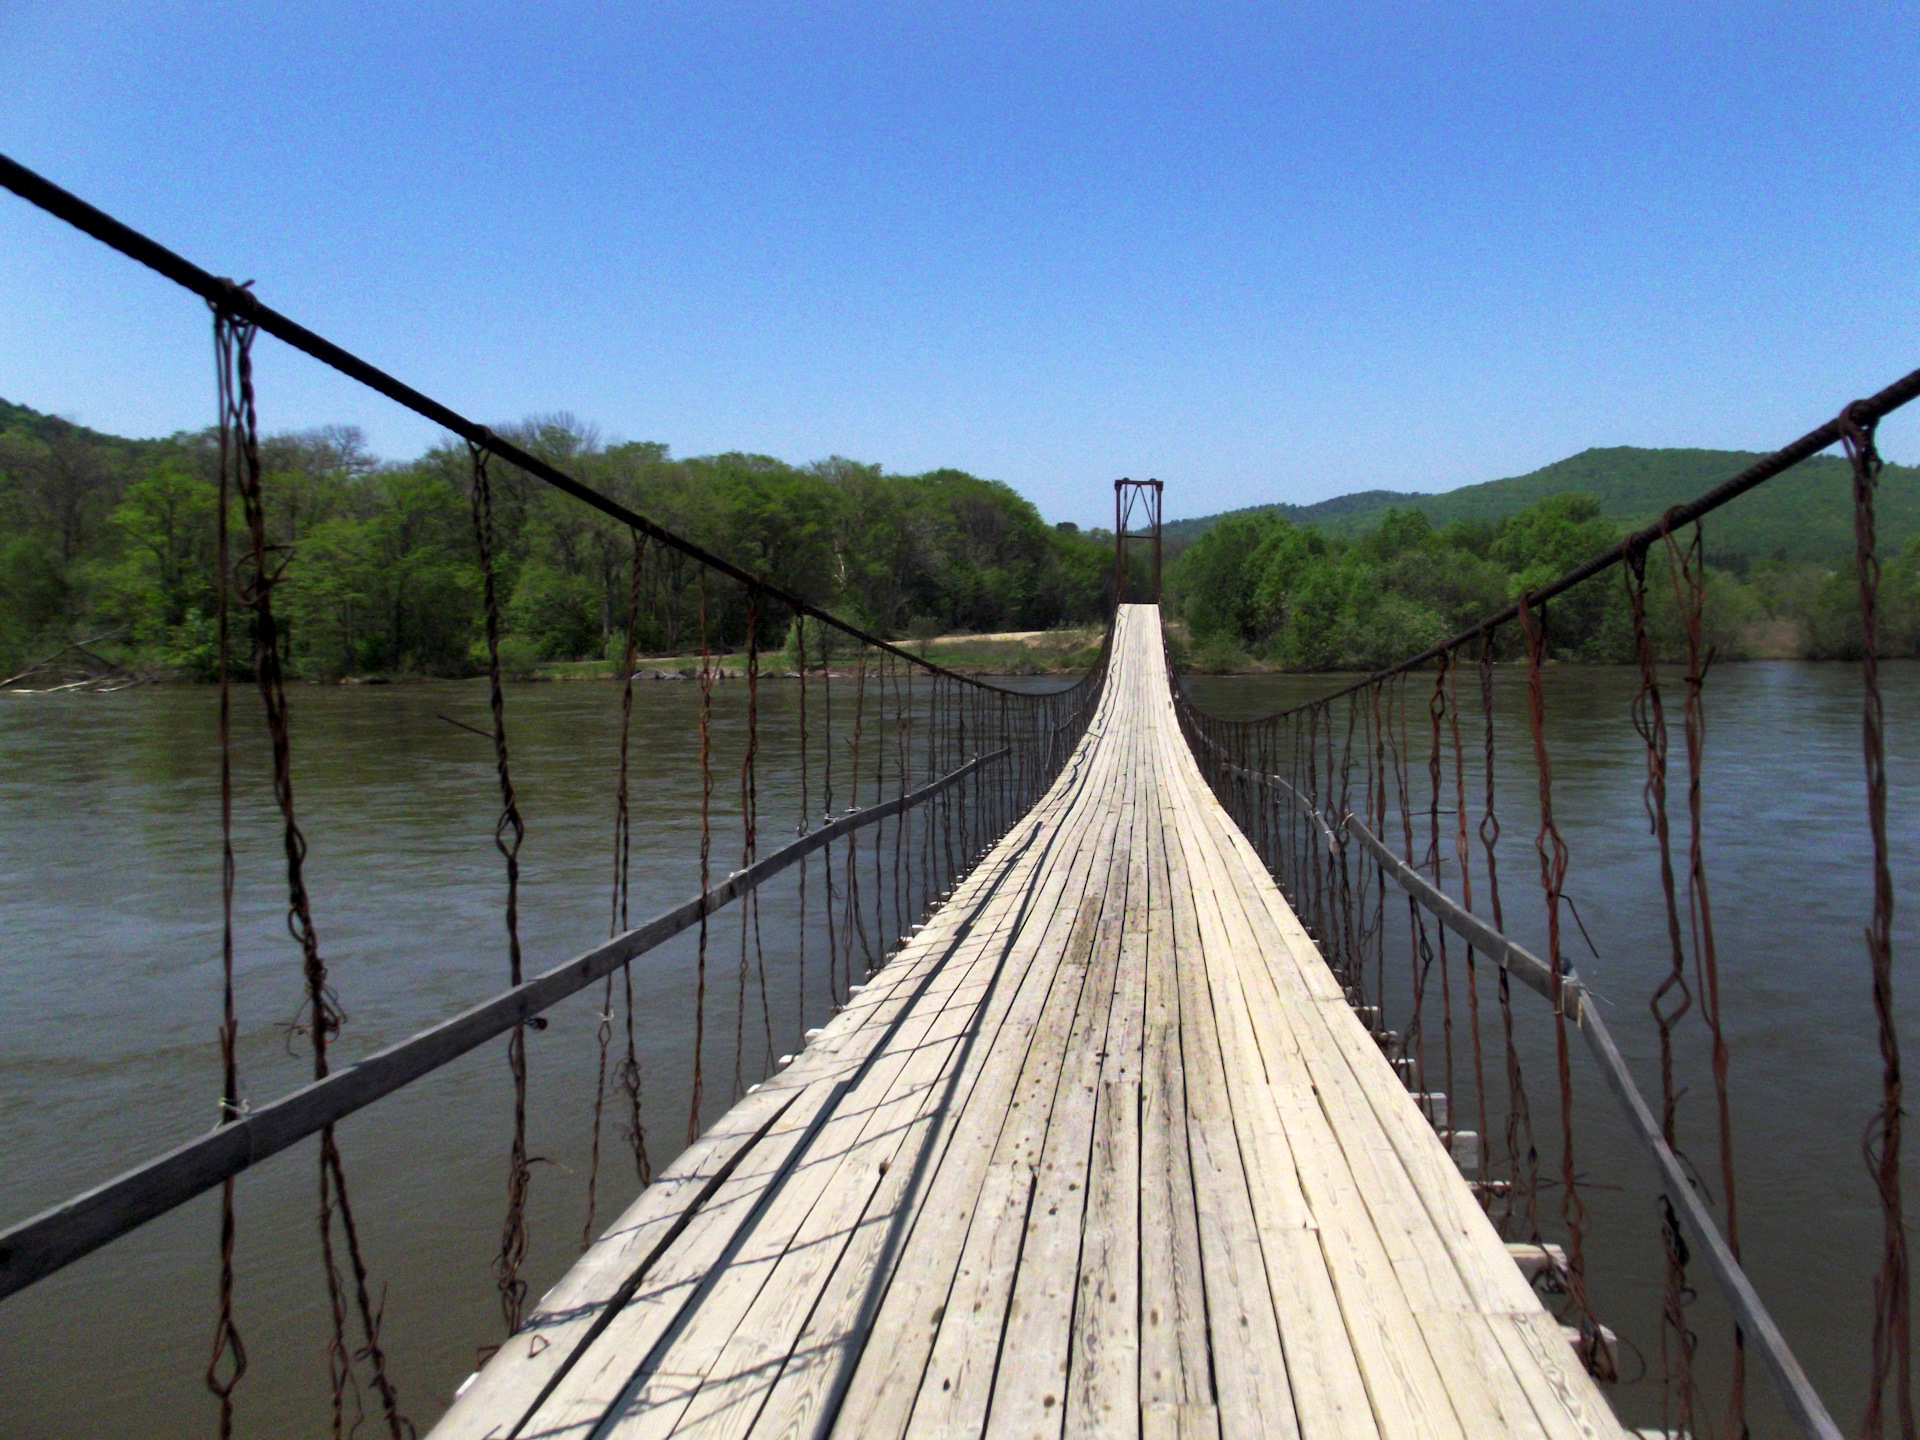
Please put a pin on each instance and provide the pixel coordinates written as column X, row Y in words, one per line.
column 1101, row 1152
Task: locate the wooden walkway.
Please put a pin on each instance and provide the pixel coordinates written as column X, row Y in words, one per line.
column 1102, row 1152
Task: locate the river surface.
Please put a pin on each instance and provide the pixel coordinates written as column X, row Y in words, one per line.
column 109, row 985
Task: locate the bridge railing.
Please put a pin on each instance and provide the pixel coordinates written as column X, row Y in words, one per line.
column 900, row 774
column 1322, row 790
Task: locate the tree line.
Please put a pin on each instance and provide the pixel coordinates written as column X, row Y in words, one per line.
column 1260, row 587
column 100, row 535
column 107, row 536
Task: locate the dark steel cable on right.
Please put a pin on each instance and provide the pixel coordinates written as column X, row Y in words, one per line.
column 1892, row 1334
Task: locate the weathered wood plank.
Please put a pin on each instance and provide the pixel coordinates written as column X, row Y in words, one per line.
column 1175, row 1364
column 1249, row 1362
column 969, row 1357
column 842, row 1045
column 1329, row 1393
column 1103, row 1384
column 509, row 1383
column 892, row 1363
column 754, row 1329
column 1407, row 1394
column 622, row 1355
column 1102, row 1153
column 516, row 1375
column 1031, row 1395
column 1413, row 1192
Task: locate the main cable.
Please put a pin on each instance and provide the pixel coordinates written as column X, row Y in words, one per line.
column 240, row 301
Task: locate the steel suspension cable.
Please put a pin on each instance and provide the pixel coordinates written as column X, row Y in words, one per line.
column 628, row 1072
column 1437, row 714
column 228, row 1362
column 1463, row 857
column 706, row 863
column 1687, row 570
column 1595, row 1352
column 509, row 832
column 320, row 1016
column 1669, row 1003
column 1892, row 1358
column 1523, row 1157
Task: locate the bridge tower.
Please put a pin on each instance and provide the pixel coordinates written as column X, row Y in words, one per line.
column 1129, row 497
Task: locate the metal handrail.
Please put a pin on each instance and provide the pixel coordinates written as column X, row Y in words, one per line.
column 37, row 1247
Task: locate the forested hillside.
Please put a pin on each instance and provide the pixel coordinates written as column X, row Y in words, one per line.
column 1259, row 585
column 104, row 536
column 101, row 535
column 1806, row 514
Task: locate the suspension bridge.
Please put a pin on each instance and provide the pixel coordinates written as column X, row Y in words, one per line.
column 1103, row 1150
column 1115, row 1122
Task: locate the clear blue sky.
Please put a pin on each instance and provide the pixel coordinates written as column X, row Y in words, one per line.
column 1262, row 252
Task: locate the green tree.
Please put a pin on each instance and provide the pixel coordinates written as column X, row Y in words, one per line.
column 168, row 522
column 1218, row 582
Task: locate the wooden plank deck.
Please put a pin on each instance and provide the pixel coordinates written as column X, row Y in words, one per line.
column 1103, row 1151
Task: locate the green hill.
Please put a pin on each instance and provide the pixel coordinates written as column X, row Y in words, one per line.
column 1806, row 514
column 51, row 429
column 1332, row 516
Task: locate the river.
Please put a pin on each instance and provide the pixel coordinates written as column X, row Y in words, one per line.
column 110, row 989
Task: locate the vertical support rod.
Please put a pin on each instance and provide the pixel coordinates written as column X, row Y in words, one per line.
column 1157, row 489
